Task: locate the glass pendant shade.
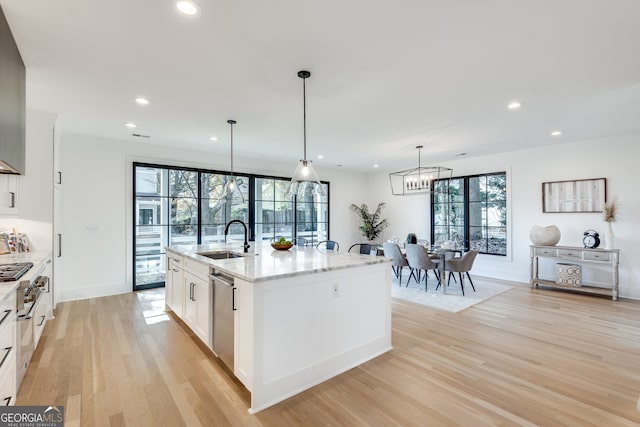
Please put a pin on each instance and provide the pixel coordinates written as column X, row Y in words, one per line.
column 418, row 180
column 231, row 188
column 305, row 175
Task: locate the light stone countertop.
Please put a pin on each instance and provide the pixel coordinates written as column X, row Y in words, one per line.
column 264, row 263
column 36, row 258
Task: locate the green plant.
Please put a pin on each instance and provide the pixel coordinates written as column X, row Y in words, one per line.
column 372, row 225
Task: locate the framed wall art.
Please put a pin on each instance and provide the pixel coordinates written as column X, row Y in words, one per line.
column 581, row 195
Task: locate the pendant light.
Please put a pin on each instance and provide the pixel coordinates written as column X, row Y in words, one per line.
column 231, row 187
column 418, row 180
column 304, row 176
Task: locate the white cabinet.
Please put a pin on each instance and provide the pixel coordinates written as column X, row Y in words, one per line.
column 8, row 350
column 197, row 306
column 39, row 320
column 8, row 194
column 243, row 333
column 174, row 279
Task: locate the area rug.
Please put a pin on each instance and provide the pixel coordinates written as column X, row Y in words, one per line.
column 453, row 301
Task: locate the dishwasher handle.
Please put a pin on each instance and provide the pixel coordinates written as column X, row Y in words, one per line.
column 223, row 280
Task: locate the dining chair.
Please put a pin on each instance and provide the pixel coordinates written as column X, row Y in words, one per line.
column 392, row 250
column 363, row 248
column 301, row 241
column 461, row 265
column 328, row 245
column 419, row 260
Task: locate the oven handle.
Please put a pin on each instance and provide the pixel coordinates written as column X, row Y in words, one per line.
column 8, row 350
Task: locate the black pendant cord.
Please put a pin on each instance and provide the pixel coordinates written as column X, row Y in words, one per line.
column 231, row 122
column 304, row 114
column 304, row 75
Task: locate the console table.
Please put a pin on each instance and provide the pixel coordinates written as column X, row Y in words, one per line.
column 608, row 257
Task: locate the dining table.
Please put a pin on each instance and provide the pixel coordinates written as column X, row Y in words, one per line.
column 442, row 257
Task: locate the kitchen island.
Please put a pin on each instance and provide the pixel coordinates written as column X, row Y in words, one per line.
column 300, row 316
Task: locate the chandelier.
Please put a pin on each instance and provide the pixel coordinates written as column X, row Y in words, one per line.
column 418, row 180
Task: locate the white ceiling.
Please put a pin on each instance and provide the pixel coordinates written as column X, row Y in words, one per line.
column 386, row 75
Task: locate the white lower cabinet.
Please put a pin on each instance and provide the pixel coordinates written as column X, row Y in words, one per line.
column 8, row 350
column 197, row 306
column 243, row 333
column 174, row 283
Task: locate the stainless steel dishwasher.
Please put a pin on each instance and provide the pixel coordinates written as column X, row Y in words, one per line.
column 223, row 320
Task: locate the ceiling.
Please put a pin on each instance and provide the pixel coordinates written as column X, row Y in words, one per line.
column 386, row 76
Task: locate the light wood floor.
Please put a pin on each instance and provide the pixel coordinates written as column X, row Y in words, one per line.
column 525, row 357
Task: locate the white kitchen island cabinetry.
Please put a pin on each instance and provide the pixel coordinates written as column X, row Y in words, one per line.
column 301, row 316
column 197, row 306
column 174, row 283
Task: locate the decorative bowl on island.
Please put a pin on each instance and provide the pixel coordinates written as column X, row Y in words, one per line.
column 281, row 246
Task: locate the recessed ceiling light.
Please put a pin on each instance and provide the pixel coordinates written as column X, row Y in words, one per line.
column 375, row 166
column 514, row 105
column 188, row 7
column 214, row 138
column 142, row 101
column 320, row 156
column 130, row 125
column 556, row 133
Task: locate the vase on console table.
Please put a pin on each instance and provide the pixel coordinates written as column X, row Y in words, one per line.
column 609, row 237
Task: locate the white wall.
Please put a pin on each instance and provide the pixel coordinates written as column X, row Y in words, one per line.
column 35, row 199
column 613, row 158
column 96, row 207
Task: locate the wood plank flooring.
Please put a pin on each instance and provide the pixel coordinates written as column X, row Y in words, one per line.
column 523, row 358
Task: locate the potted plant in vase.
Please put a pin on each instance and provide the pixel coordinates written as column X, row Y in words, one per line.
column 372, row 225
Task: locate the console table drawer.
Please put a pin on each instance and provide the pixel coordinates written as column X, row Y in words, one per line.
column 569, row 253
column 597, row 256
column 546, row 252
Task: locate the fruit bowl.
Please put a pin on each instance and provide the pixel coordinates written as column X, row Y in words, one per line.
column 281, row 246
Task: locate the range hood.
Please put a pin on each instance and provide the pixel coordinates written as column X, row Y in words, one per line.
column 13, row 108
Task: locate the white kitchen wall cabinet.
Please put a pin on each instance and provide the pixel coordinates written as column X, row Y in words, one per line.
column 9, row 194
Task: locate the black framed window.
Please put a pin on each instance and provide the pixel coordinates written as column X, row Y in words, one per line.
column 174, row 205
column 472, row 210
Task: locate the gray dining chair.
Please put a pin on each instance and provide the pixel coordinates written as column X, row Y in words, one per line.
column 363, row 248
column 419, row 260
column 392, row 250
column 301, row 241
column 461, row 265
column 328, row 245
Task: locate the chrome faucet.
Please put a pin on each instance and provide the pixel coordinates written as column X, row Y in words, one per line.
column 246, row 233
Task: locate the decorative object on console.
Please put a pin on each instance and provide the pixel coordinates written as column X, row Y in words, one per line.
column 609, row 212
column 568, row 274
column 418, row 180
column 372, row 225
column 581, row 195
column 545, row 236
column 591, row 239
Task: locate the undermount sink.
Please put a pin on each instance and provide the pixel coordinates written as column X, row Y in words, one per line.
column 220, row 255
